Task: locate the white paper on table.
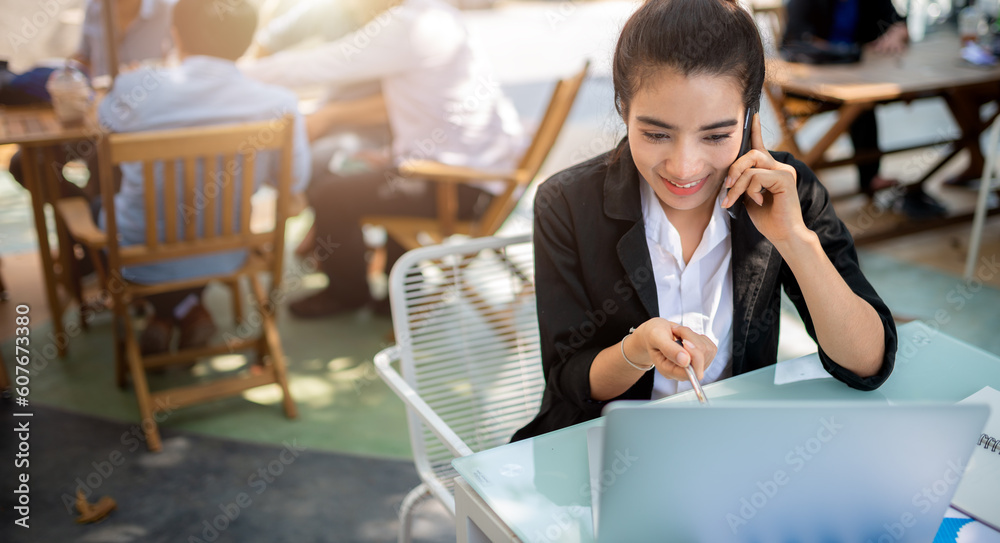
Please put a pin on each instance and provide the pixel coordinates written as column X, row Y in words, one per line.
column 803, row 368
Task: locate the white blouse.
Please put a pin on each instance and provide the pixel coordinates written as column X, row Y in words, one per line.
column 699, row 294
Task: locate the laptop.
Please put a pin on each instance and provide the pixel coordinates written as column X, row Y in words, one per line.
column 769, row 472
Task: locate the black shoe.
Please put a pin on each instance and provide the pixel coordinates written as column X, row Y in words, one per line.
column 196, row 328
column 920, row 206
column 878, row 184
column 961, row 182
column 322, row 304
column 155, row 339
column 966, row 179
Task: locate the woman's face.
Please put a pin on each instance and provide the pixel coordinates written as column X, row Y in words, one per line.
column 684, row 133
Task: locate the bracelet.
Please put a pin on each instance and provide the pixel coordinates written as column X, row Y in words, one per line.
column 630, row 363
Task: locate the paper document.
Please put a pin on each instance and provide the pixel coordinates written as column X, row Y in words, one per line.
column 803, row 368
column 978, row 493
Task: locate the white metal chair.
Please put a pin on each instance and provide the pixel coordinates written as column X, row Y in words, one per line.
column 468, row 353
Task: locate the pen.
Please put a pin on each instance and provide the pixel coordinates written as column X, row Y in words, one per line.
column 694, row 381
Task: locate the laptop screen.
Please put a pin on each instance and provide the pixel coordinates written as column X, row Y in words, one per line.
column 788, row 472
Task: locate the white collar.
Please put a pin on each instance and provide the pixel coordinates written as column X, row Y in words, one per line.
column 660, row 231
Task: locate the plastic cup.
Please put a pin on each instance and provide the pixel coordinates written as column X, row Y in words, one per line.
column 71, row 94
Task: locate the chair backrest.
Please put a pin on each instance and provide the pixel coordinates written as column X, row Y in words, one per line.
column 545, row 136
column 467, row 332
column 205, row 177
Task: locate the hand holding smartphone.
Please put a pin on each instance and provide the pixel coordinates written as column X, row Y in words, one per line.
column 744, row 148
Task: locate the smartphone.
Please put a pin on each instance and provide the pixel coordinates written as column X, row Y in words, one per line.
column 744, row 149
column 747, row 129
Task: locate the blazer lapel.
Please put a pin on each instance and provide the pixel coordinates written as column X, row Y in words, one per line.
column 622, row 202
column 754, row 261
column 634, row 256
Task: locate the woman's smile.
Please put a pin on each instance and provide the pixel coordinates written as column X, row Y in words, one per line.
column 684, row 188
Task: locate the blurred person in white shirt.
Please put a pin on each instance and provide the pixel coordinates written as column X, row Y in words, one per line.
column 441, row 102
column 305, row 21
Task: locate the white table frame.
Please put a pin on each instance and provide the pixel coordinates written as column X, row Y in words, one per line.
column 475, row 521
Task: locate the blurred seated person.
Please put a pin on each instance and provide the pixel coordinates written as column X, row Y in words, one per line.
column 843, row 25
column 143, row 33
column 305, row 20
column 309, row 23
column 205, row 89
column 142, row 30
column 441, row 103
column 876, row 25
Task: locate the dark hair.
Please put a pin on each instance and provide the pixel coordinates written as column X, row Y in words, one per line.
column 217, row 28
column 694, row 37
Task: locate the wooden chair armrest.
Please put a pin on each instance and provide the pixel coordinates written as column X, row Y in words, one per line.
column 77, row 215
column 436, row 171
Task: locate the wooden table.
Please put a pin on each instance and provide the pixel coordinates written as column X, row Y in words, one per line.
column 931, row 68
column 38, row 131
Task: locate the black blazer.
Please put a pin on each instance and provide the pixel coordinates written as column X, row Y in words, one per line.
column 594, row 281
column 809, row 19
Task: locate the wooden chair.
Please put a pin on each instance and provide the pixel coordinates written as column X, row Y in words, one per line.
column 408, row 231
column 185, row 152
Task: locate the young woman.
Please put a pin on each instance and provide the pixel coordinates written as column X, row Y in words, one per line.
column 675, row 235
